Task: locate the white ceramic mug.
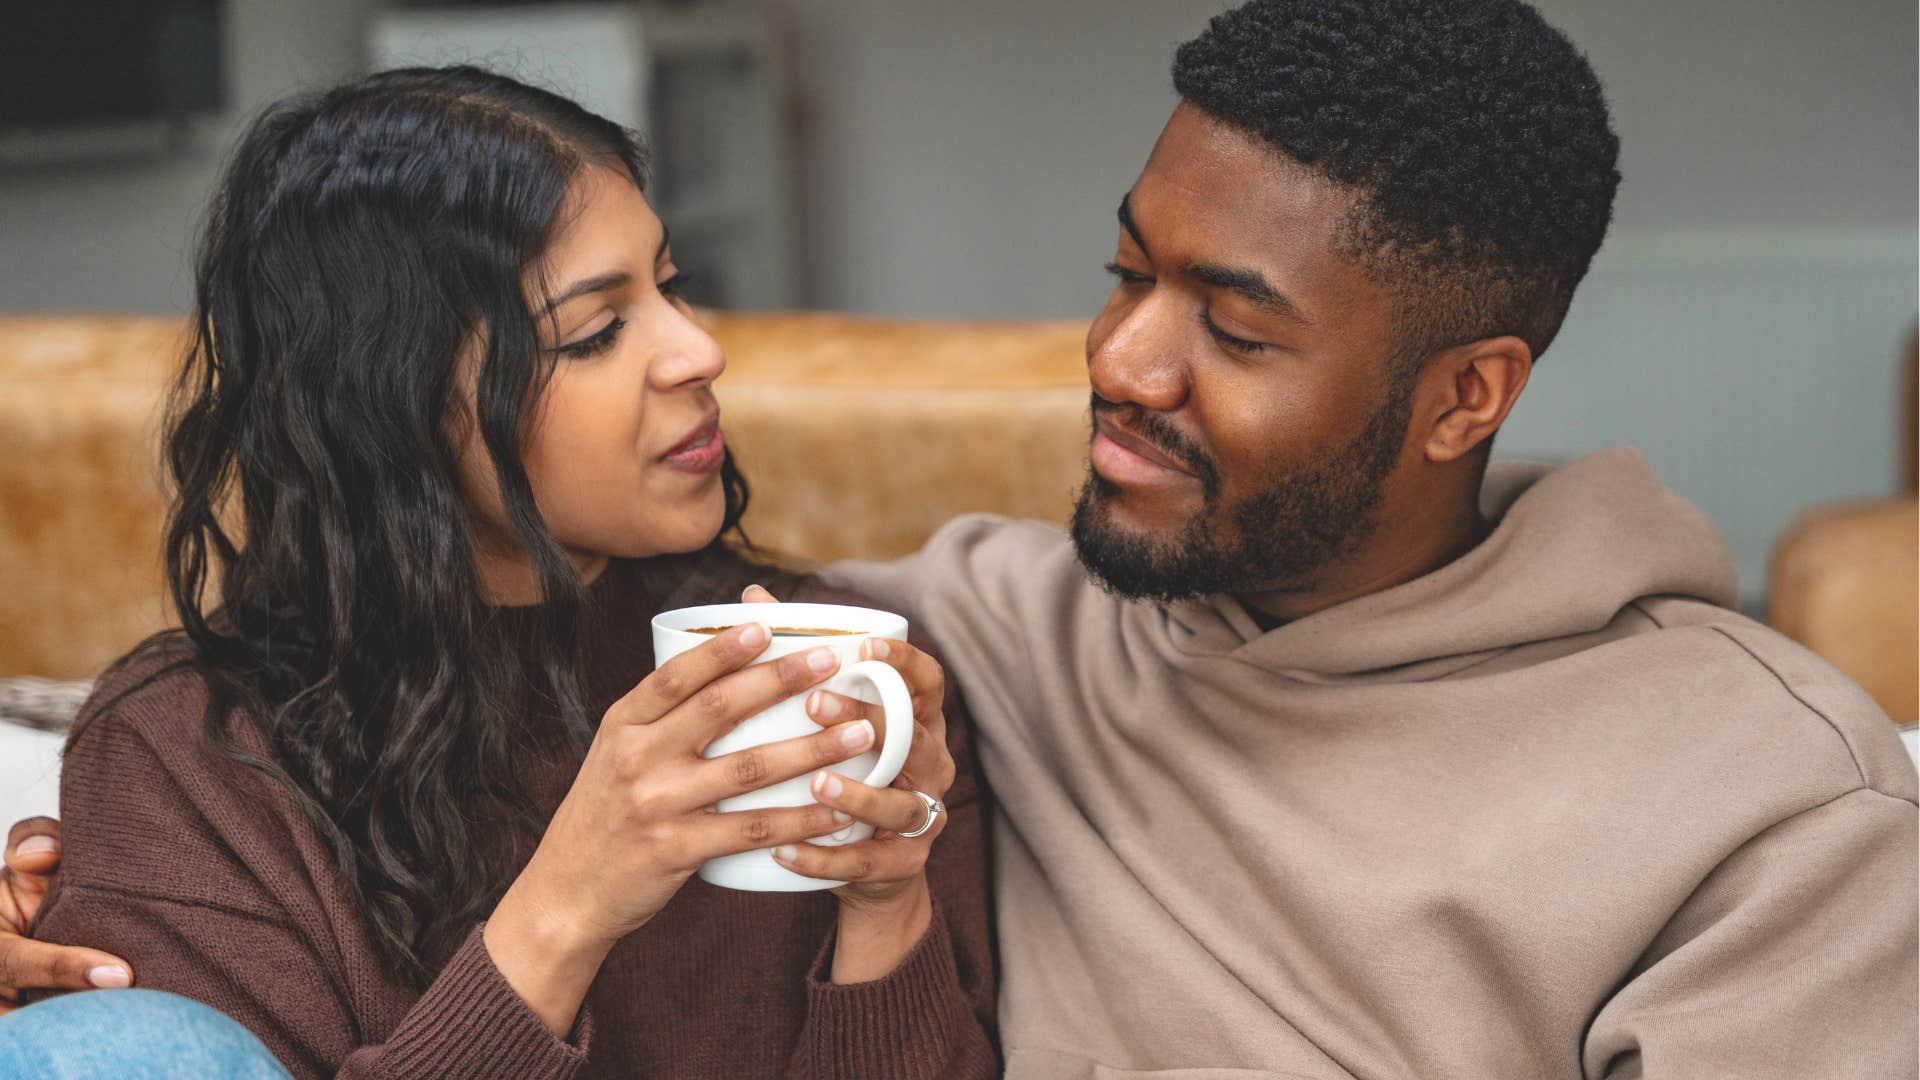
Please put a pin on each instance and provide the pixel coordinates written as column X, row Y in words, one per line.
column 872, row 681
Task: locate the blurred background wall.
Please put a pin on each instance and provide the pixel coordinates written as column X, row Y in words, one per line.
column 963, row 160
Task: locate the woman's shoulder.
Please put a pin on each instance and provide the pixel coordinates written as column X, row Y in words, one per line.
column 148, row 805
column 156, row 679
column 160, row 736
column 160, row 693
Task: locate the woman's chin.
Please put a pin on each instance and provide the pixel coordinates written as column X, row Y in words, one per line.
column 685, row 533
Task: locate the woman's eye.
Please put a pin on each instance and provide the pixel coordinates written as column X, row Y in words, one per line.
column 1224, row 338
column 593, row 346
column 1126, row 276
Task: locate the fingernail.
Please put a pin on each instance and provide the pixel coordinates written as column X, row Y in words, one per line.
column 820, row 660
column 857, row 736
column 824, row 706
column 844, row 834
column 109, row 977
column 37, row 845
column 841, row 817
column 826, row 784
column 877, row 648
column 786, row 853
column 753, row 635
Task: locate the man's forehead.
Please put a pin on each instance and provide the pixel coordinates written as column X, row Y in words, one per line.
column 1215, row 192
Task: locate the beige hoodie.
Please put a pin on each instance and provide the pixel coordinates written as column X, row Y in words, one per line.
column 1549, row 811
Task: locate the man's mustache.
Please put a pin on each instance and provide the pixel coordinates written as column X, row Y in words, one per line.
column 1165, row 436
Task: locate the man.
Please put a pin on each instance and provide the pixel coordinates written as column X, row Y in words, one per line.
column 1322, row 749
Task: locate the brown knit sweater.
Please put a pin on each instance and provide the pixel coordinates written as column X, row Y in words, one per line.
column 210, row 881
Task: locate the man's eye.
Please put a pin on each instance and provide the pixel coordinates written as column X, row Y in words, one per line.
column 1224, row 338
column 1126, row 276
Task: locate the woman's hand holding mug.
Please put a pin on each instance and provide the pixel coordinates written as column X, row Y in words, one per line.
column 639, row 819
column 885, row 905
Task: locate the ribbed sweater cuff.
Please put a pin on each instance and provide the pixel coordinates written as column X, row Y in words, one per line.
column 471, row 1023
column 899, row 1026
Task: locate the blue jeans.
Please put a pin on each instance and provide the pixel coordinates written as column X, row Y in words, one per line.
column 129, row 1035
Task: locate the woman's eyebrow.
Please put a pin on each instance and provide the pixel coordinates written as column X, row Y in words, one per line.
column 597, row 283
column 602, row 282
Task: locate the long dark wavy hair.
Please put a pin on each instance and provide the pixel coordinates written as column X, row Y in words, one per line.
column 360, row 240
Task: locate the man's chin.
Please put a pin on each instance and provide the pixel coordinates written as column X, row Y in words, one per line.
column 1146, row 514
column 1128, row 559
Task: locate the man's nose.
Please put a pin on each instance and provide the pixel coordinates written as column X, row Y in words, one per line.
column 1142, row 360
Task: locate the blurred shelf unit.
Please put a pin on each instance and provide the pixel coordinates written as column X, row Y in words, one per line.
column 699, row 80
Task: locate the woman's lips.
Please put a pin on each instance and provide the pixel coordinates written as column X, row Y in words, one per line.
column 700, row 452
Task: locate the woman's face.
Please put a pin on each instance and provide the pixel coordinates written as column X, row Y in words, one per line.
column 625, row 449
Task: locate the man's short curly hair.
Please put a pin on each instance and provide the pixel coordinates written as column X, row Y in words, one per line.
column 1475, row 136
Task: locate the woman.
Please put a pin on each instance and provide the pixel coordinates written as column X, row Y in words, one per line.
column 406, row 799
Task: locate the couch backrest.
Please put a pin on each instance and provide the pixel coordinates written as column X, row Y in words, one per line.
column 859, row 437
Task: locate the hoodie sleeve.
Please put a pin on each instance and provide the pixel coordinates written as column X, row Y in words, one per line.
column 1795, row 958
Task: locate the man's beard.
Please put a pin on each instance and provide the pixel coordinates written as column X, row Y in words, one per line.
column 1284, row 535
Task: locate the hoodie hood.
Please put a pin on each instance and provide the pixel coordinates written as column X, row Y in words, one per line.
column 1572, row 547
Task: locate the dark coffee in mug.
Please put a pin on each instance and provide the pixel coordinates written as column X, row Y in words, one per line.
column 782, row 631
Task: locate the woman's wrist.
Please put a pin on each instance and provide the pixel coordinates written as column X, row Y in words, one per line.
column 873, row 938
column 548, row 957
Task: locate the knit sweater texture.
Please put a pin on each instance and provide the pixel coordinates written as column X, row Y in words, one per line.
column 211, row 882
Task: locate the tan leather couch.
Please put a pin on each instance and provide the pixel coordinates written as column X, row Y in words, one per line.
column 1846, row 577
column 859, row 436
column 1846, row 585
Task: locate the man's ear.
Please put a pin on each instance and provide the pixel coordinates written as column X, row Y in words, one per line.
column 1467, row 392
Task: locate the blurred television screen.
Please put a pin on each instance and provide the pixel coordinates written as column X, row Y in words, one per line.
column 84, row 63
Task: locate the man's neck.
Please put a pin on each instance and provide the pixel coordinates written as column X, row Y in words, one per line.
column 1412, row 546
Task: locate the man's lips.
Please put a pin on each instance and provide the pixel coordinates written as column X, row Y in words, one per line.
column 1123, row 457
column 1141, row 446
column 701, row 451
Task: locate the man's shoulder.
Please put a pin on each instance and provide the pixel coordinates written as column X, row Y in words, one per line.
column 1821, row 710
column 1010, row 556
column 971, row 559
column 1002, row 536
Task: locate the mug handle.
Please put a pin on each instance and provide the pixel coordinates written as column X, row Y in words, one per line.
column 898, row 704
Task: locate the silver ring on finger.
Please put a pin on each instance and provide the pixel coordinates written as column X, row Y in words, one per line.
column 934, row 809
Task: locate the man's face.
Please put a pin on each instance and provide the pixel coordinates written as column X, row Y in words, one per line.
column 1246, row 414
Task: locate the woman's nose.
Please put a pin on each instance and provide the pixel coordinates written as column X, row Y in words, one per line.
column 690, row 357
